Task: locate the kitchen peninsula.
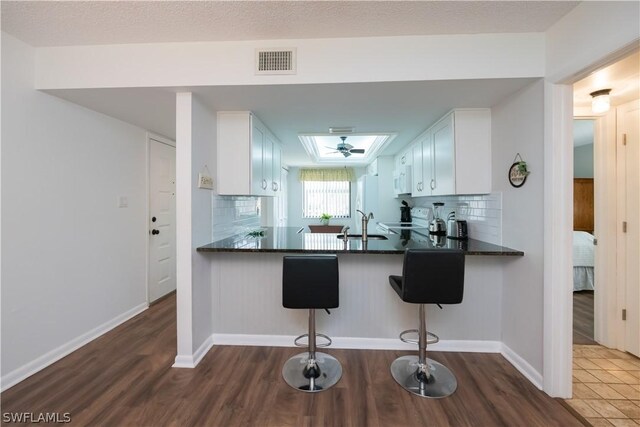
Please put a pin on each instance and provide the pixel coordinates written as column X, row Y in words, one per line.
column 246, row 285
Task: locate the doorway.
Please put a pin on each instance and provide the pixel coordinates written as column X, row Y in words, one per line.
column 161, row 276
column 583, row 231
column 606, row 366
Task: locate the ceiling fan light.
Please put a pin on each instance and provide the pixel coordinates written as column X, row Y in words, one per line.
column 601, row 101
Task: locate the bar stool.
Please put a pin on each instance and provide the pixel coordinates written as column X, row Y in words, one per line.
column 311, row 282
column 428, row 277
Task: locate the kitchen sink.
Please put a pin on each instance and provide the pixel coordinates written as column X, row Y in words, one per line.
column 359, row 236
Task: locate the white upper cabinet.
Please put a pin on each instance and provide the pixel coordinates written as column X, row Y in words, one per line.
column 247, row 153
column 276, row 169
column 404, row 158
column 454, row 155
column 443, row 170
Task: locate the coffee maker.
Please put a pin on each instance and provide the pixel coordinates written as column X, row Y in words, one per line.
column 405, row 212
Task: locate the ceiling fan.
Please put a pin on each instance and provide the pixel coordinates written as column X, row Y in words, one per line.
column 346, row 149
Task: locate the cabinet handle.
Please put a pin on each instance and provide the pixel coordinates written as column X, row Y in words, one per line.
column 264, row 184
column 274, row 186
column 433, row 184
column 403, row 160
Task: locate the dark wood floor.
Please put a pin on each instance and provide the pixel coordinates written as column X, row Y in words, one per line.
column 583, row 318
column 125, row 378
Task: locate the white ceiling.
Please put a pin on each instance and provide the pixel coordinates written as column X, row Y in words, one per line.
column 405, row 108
column 622, row 77
column 62, row 23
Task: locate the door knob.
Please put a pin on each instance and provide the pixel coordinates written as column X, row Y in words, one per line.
column 154, row 231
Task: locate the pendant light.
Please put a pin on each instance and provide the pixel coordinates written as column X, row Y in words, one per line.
column 600, row 102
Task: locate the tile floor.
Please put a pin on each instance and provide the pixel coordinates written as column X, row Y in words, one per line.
column 606, row 386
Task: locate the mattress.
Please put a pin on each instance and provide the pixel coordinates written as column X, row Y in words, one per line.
column 583, row 261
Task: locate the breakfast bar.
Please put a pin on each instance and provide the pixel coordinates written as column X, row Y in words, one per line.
column 246, row 282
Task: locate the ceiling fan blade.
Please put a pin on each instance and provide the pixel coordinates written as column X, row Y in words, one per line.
column 347, row 146
column 346, row 153
column 357, row 150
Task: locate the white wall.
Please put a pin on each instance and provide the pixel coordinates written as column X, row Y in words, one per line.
column 406, row 58
column 72, row 260
column 588, row 34
column 233, row 215
column 195, row 149
column 518, row 127
column 249, row 301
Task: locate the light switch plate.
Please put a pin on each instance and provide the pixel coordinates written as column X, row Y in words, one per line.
column 123, row 202
column 205, row 181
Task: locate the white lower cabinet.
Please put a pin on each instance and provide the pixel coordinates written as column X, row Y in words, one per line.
column 248, row 155
column 454, row 155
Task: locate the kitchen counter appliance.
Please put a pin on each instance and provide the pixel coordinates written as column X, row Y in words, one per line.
column 405, row 212
column 437, row 226
column 456, row 228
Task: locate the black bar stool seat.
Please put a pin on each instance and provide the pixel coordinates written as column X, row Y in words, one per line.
column 429, row 276
column 311, row 282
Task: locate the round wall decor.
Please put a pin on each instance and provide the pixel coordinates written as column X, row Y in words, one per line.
column 518, row 172
column 516, row 177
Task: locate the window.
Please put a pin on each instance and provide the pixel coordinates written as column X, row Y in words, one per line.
column 332, row 197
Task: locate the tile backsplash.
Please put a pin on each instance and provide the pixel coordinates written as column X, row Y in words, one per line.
column 234, row 215
column 483, row 213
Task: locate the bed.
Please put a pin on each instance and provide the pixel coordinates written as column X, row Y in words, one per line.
column 583, row 250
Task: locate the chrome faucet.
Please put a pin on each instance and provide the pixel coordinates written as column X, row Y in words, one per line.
column 365, row 224
column 345, row 237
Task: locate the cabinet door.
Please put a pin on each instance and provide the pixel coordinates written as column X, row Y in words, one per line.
column 276, row 185
column 404, row 158
column 267, row 165
column 257, row 146
column 443, row 158
column 417, row 180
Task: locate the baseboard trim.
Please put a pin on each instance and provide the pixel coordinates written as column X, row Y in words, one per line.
column 358, row 343
column 463, row 346
column 14, row 377
column 192, row 361
column 522, row 366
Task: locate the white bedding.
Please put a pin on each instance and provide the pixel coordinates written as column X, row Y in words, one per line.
column 583, row 255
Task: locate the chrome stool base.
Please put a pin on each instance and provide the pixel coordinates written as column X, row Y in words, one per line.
column 439, row 383
column 312, row 377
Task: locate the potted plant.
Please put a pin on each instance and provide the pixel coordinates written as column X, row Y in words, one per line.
column 522, row 168
column 324, row 218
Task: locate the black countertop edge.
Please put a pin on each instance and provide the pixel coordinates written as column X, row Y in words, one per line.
column 290, row 240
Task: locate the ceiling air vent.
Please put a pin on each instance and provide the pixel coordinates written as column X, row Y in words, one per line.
column 276, row 61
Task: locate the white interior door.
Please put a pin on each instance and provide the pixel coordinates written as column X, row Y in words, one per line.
column 629, row 159
column 162, row 219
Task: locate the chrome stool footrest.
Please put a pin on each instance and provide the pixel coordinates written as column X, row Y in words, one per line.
column 431, row 338
column 327, row 344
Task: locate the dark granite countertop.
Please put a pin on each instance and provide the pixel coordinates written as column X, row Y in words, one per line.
column 290, row 240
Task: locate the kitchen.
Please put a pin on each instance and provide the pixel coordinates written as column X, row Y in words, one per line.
column 369, row 316
column 514, row 285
